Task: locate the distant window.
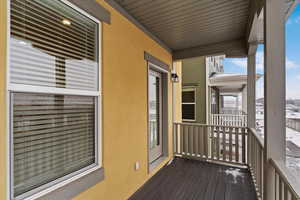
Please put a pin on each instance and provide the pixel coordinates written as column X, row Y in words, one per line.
column 189, row 105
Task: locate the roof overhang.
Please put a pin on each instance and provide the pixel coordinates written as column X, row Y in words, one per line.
column 193, row 28
column 229, row 83
column 256, row 31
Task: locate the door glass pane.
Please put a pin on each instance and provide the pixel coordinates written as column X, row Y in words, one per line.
column 154, row 108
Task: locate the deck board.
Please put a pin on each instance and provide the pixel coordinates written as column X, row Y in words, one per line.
column 187, row 179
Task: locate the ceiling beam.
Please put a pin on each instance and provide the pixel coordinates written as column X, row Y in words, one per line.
column 232, row 48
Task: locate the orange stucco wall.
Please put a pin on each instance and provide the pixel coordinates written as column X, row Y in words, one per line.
column 124, row 85
column 3, row 119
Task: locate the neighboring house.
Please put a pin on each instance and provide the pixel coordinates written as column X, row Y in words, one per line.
column 231, row 85
column 200, row 98
column 207, row 90
column 195, row 91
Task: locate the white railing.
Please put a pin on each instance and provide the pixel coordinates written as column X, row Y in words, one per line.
column 255, row 161
column 235, row 145
column 285, row 186
column 229, row 120
column 231, row 111
column 211, row 142
column 293, row 123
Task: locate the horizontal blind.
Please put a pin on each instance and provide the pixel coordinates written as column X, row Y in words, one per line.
column 188, row 96
column 188, row 105
column 52, row 45
column 53, row 135
column 188, row 111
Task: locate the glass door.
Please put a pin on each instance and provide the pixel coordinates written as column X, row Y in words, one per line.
column 155, row 115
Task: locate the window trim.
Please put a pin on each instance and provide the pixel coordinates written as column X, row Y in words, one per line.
column 78, row 175
column 194, row 103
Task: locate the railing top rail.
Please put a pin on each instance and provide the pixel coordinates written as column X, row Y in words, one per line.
column 286, row 176
column 208, row 125
column 257, row 137
column 222, row 114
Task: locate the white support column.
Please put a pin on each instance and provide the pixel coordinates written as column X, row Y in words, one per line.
column 251, row 89
column 274, row 108
column 237, row 102
column 244, row 100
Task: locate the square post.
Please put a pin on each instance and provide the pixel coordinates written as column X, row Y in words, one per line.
column 274, row 88
column 251, row 88
column 245, row 100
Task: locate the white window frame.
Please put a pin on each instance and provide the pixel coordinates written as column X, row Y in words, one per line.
column 11, row 87
column 192, row 103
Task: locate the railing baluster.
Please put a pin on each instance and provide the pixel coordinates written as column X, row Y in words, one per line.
column 230, row 143
column 195, row 141
column 175, row 138
column 261, row 171
column 237, row 146
column 212, row 142
column 280, row 189
column 285, row 192
column 191, row 143
column 244, row 147
column 200, row 140
column 186, row 140
column 218, row 143
column 206, row 141
column 276, row 186
column 224, row 144
column 181, row 138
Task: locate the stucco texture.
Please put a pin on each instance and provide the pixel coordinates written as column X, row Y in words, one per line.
column 124, row 89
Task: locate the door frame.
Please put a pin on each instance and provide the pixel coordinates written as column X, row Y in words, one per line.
column 165, row 74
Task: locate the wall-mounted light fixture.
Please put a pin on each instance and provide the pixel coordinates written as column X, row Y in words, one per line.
column 174, row 77
column 66, row 22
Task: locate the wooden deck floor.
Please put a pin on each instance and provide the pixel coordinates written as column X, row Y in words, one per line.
column 187, row 179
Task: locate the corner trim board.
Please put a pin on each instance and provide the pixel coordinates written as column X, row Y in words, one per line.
column 156, row 61
column 121, row 10
column 94, row 9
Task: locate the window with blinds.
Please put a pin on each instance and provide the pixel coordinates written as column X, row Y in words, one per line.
column 189, row 105
column 52, row 45
column 54, row 93
column 54, row 135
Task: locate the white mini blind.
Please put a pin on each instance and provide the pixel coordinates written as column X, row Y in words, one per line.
column 54, row 136
column 52, row 45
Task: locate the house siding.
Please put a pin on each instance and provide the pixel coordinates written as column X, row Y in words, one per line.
column 124, row 124
column 194, row 76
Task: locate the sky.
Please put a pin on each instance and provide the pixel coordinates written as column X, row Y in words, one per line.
column 238, row 65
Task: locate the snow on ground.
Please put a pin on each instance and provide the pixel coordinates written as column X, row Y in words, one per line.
column 291, row 135
column 293, row 165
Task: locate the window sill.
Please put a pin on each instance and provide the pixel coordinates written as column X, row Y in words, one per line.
column 188, row 120
column 71, row 187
